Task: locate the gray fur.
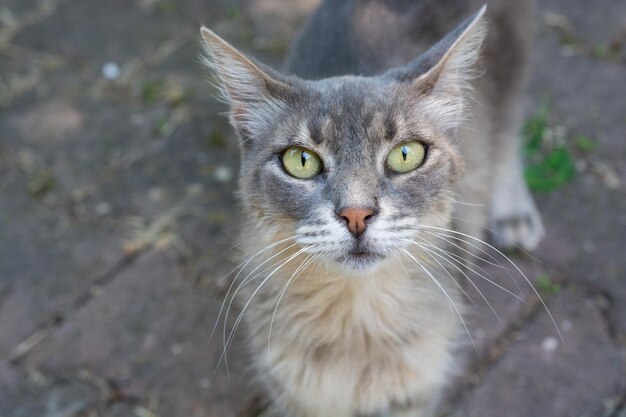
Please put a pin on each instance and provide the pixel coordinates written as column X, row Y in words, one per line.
column 370, row 36
column 364, row 77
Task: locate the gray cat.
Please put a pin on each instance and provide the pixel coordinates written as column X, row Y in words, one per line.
column 357, row 170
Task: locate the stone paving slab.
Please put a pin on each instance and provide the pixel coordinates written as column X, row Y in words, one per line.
column 119, row 31
column 148, row 332
column 78, row 140
column 538, row 376
column 585, row 219
column 14, row 9
column 596, row 24
column 509, row 295
column 191, row 164
column 28, row 394
column 46, row 262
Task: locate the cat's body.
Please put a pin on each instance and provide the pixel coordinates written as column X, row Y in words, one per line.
column 345, row 314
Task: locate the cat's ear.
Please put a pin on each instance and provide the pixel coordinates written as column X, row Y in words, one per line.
column 444, row 73
column 256, row 94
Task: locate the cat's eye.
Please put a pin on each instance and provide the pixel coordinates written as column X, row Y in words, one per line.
column 406, row 157
column 301, row 163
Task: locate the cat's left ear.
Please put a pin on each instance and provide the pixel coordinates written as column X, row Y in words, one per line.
column 255, row 93
column 443, row 74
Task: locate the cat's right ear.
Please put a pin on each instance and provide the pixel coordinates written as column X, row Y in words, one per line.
column 443, row 74
column 255, row 93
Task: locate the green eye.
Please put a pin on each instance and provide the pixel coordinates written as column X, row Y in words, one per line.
column 406, row 157
column 301, row 163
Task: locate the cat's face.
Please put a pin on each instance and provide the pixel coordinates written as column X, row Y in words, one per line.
column 351, row 167
column 351, row 125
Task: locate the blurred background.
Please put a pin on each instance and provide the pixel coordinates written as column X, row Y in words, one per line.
column 117, row 176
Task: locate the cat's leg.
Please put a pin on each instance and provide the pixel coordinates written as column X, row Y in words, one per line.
column 513, row 216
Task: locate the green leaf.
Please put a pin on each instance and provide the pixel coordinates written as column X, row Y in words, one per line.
column 584, row 143
column 546, row 286
column 554, row 170
column 152, row 90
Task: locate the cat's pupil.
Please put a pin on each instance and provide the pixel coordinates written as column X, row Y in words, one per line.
column 405, row 152
column 303, row 158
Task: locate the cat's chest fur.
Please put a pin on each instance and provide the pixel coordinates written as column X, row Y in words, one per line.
column 361, row 343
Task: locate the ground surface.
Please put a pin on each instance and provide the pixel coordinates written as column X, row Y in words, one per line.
column 116, row 203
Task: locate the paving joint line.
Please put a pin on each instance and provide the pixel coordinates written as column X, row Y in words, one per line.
column 44, row 10
column 498, row 349
column 494, row 353
column 47, row 329
column 129, row 71
column 108, row 389
column 605, row 303
column 565, row 29
column 617, row 409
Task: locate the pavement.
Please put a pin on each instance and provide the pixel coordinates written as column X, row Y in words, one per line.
column 117, row 218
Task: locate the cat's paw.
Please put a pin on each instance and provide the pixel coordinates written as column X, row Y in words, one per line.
column 515, row 222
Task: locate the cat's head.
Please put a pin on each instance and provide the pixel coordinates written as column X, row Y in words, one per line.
column 351, row 167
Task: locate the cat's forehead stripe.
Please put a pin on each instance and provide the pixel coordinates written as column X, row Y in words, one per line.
column 353, row 115
column 316, row 133
column 390, row 127
column 375, row 124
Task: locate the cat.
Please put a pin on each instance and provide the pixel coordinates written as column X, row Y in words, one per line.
column 357, row 166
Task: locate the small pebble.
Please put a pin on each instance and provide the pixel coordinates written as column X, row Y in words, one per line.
column 549, row 344
column 195, row 189
column 156, row 194
column 111, row 71
column 223, row 174
column 566, row 326
column 95, row 291
column 177, row 349
column 205, row 383
column 102, row 209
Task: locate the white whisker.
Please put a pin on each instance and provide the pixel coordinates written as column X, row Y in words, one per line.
column 302, row 266
column 445, row 237
column 245, row 307
column 464, row 265
column 468, row 278
column 450, row 301
column 444, row 269
column 242, row 265
column 512, row 264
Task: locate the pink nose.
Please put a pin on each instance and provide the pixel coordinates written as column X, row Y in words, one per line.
column 356, row 218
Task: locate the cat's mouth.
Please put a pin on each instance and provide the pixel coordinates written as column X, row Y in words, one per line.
column 360, row 259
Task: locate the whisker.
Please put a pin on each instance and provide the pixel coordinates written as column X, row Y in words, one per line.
column 248, row 278
column 469, row 279
column 302, row 266
column 489, row 280
column 244, row 282
column 241, row 269
column 443, row 237
column 444, row 269
column 500, row 235
column 512, row 264
column 464, row 203
column 450, row 302
column 245, row 307
column 495, row 262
